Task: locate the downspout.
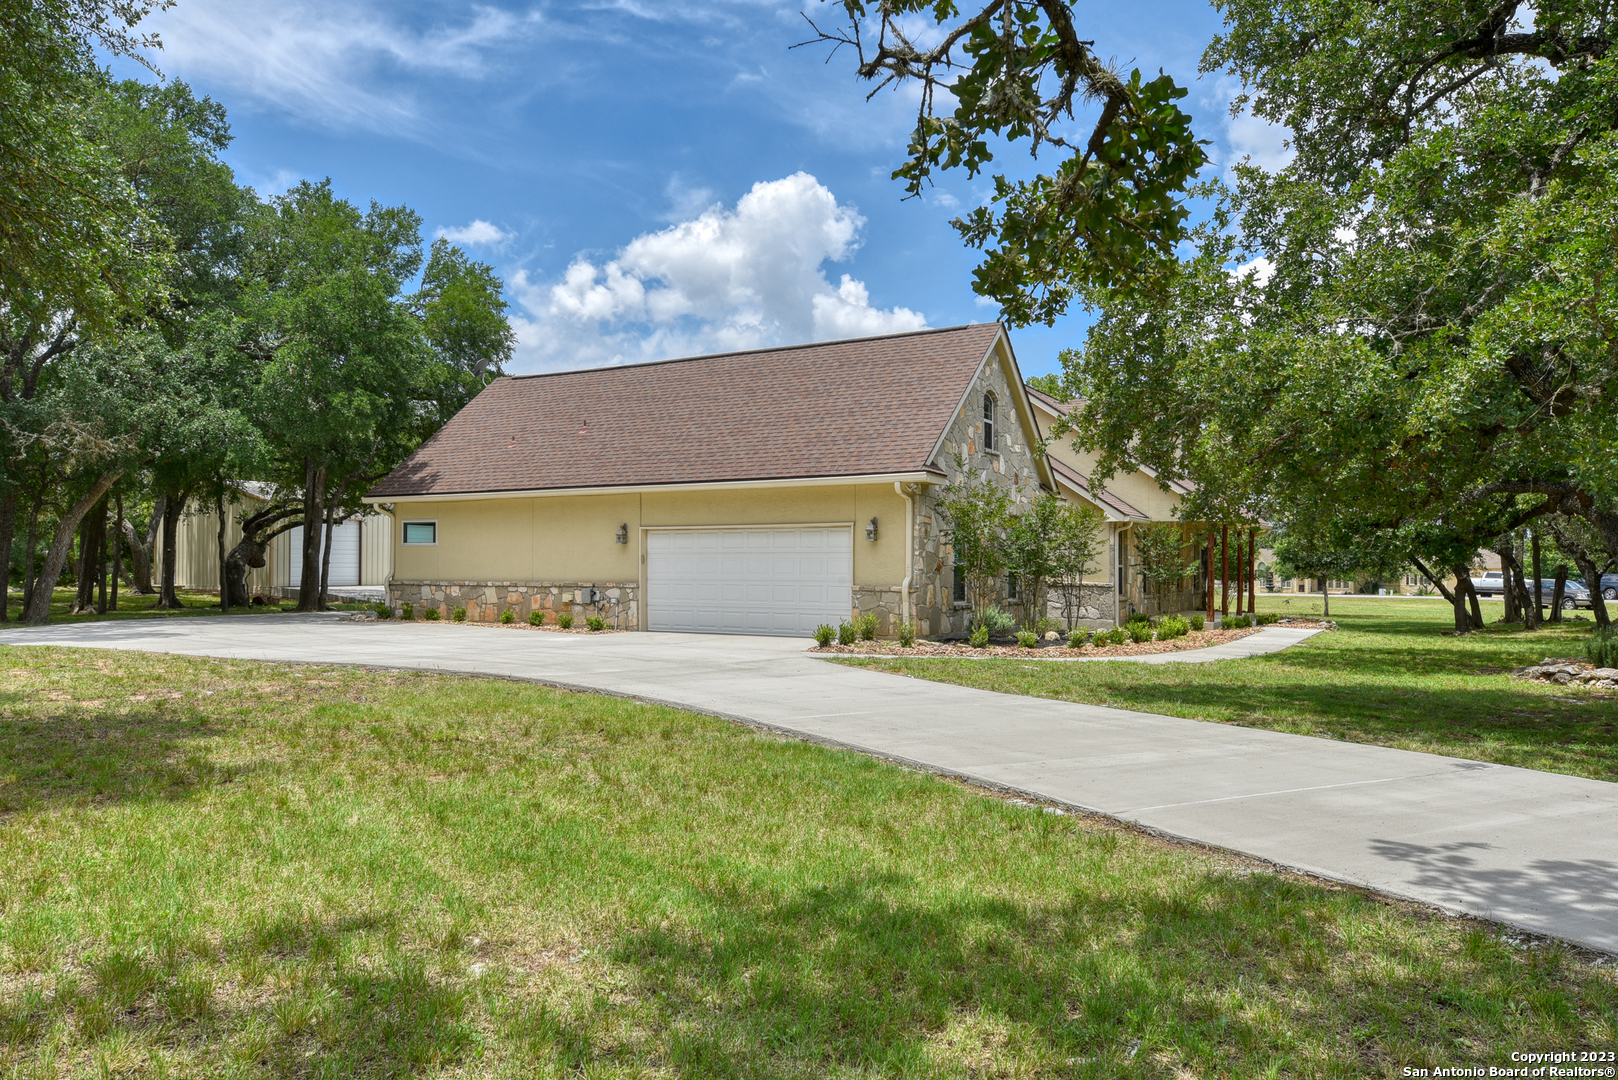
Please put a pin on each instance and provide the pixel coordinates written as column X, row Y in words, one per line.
column 910, row 548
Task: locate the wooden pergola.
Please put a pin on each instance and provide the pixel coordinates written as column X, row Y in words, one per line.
column 1246, row 569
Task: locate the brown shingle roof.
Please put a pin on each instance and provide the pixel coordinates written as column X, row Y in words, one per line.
column 839, row 408
column 1073, row 479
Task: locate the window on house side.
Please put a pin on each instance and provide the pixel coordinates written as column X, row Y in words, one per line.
column 988, row 422
column 958, row 591
column 421, row 532
column 1011, row 586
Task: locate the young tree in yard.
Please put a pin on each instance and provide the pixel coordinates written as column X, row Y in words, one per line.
column 1310, row 555
column 976, row 516
column 1050, row 541
column 1160, row 546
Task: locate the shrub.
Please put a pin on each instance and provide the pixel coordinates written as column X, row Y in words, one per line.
column 1137, row 617
column 823, row 635
column 1077, row 638
column 507, row 617
column 1138, row 631
column 1045, row 625
column 865, row 626
column 1172, row 626
column 846, row 633
column 383, row 611
column 407, row 610
column 536, row 618
column 432, row 614
column 994, row 620
column 1267, row 618
column 1602, row 649
column 980, row 637
column 1236, row 622
column 1197, row 622
column 596, row 623
column 1116, row 636
column 565, row 621
column 460, row 614
column 907, row 635
column 1027, row 638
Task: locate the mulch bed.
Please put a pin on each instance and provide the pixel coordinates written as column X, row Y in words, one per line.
column 1197, row 639
column 550, row 626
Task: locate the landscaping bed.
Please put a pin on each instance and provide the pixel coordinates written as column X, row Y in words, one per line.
column 1045, row 650
column 230, row 868
column 548, row 627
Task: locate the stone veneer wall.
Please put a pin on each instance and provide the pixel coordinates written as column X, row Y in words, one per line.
column 485, row 600
column 1097, row 604
column 1012, row 467
column 885, row 603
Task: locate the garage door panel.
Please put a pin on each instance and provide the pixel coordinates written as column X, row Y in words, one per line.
column 748, row 581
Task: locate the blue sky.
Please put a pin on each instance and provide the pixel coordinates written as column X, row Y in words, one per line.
column 652, row 178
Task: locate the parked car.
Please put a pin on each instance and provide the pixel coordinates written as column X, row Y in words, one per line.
column 1574, row 594
column 1609, row 586
column 1491, row 583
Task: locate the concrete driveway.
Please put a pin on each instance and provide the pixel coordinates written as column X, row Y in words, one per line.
column 1536, row 850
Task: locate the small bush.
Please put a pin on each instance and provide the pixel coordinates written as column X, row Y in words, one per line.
column 1045, row 625
column 993, row 619
column 866, row 626
column 1197, row 622
column 980, row 637
column 383, row 611
column 1116, row 636
column 1139, row 631
column 1602, row 649
column 1027, row 638
column 460, row 614
column 907, row 635
column 536, row 618
column 432, row 614
column 507, row 617
column 596, row 623
column 1138, row 617
column 846, row 633
column 565, row 621
column 1236, row 622
column 824, row 635
column 407, row 610
column 1172, row 626
column 1267, row 618
column 1077, row 638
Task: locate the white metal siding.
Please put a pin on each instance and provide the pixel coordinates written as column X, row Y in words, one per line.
column 748, row 581
column 345, row 556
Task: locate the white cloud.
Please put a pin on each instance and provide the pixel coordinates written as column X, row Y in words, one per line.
column 479, row 232
column 324, row 62
column 740, row 278
column 1264, row 144
column 1260, row 268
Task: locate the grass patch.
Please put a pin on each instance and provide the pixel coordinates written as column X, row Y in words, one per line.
column 233, row 868
column 133, row 606
column 1388, row 676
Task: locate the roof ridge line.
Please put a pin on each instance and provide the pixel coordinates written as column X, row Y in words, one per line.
column 752, row 352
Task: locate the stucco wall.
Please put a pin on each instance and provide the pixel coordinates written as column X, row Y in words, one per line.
column 573, row 538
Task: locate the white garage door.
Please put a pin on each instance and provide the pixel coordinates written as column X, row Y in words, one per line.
column 748, row 581
column 345, row 555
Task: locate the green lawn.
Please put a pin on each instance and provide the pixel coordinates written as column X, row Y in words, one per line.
column 220, row 868
column 131, row 606
column 1388, row 676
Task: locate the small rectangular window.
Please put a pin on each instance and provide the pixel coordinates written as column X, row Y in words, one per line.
column 988, row 423
column 421, row 532
column 958, row 593
column 1011, row 587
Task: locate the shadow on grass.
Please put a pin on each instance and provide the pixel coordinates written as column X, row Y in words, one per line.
column 155, row 750
column 860, row 976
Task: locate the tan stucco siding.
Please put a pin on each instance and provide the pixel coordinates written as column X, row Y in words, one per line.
column 573, row 538
column 1135, row 488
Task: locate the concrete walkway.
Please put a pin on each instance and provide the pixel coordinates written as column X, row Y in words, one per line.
column 1535, row 850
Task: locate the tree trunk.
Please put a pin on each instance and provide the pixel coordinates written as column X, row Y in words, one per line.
column 1472, row 602
column 314, row 516
column 173, row 507
column 39, row 608
column 1208, row 581
column 1592, row 578
column 1435, row 582
column 331, row 527
column 1508, row 583
column 90, row 560
column 141, row 548
column 224, row 582
column 28, row 557
column 1325, row 599
column 1558, row 591
column 117, row 554
column 1224, row 572
column 1538, row 589
column 101, row 557
column 249, row 551
column 1463, row 622
column 8, row 529
column 1512, row 573
column 1252, row 571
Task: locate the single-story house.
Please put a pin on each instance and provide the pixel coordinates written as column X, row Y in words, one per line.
column 765, row 492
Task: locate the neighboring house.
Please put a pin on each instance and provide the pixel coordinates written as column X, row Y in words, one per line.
column 762, row 492
column 361, row 549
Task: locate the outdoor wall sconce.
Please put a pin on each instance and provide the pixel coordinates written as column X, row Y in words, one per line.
column 623, row 533
column 870, row 530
